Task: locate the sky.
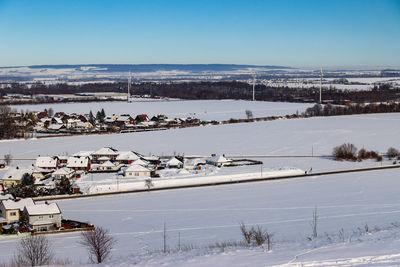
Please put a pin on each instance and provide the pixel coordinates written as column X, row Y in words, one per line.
column 283, row 32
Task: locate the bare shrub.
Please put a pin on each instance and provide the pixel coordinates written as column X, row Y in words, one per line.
column 345, row 151
column 99, row 244
column 247, row 234
column 33, row 251
column 7, row 158
column 249, row 114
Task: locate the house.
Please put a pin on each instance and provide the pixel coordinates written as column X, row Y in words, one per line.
column 79, row 163
column 108, row 166
column 140, row 162
column 124, row 120
column 43, row 217
column 63, row 173
column 13, row 176
column 142, row 118
column 219, row 161
column 174, row 163
column 109, row 152
column 40, row 173
column 11, row 210
column 50, row 163
column 126, row 157
column 136, row 171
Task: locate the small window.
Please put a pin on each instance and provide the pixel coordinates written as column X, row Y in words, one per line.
column 51, row 216
column 13, row 213
column 40, row 217
column 136, row 174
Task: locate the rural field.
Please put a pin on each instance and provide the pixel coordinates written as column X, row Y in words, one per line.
column 203, row 216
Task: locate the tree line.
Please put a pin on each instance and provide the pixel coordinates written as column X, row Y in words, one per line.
column 215, row 90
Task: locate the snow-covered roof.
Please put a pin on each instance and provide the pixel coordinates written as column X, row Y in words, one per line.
column 58, row 120
column 103, row 158
column 107, row 164
column 43, row 209
column 20, row 205
column 46, row 162
column 63, row 171
column 106, row 151
column 127, row 155
column 174, row 162
column 140, row 162
column 83, row 154
column 219, row 159
column 151, row 158
column 77, row 162
column 16, row 174
column 136, row 168
column 6, row 197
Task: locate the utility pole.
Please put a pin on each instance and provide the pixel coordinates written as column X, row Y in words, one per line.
column 254, row 87
column 320, row 88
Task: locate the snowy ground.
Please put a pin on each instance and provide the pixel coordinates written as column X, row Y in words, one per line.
column 206, row 215
column 203, row 109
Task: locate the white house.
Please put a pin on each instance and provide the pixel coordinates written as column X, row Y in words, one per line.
column 11, row 210
column 43, row 217
column 219, row 161
column 108, row 166
column 109, row 152
column 174, row 163
column 137, row 171
column 63, row 173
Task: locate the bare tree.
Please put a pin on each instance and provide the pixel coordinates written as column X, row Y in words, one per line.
column 149, row 183
column 50, row 112
column 247, row 234
column 314, row 223
column 34, row 251
column 99, row 244
column 392, row 152
column 7, row 158
column 249, row 114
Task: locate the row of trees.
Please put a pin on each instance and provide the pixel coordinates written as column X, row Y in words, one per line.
column 37, row 250
column 218, row 90
column 332, row 110
column 349, row 151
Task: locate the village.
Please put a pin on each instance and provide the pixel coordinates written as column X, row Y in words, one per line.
column 21, row 184
column 47, row 122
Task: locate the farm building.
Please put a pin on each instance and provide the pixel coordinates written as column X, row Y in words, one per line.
column 219, row 161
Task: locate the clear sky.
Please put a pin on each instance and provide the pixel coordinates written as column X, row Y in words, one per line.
column 281, row 32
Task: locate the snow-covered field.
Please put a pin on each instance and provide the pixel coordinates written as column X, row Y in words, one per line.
column 206, row 215
column 203, row 109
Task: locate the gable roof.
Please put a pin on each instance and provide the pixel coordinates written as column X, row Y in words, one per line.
column 63, row 171
column 174, row 162
column 136, row 168
column 106, row 151
column 43, row 209
column 46, row 162
column 139, row 162
column 17, row 205
column 107, row 164
column 16, row 174
column 127, row 155
column 77, row 162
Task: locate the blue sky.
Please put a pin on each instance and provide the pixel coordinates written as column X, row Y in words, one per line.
column 281, row 32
